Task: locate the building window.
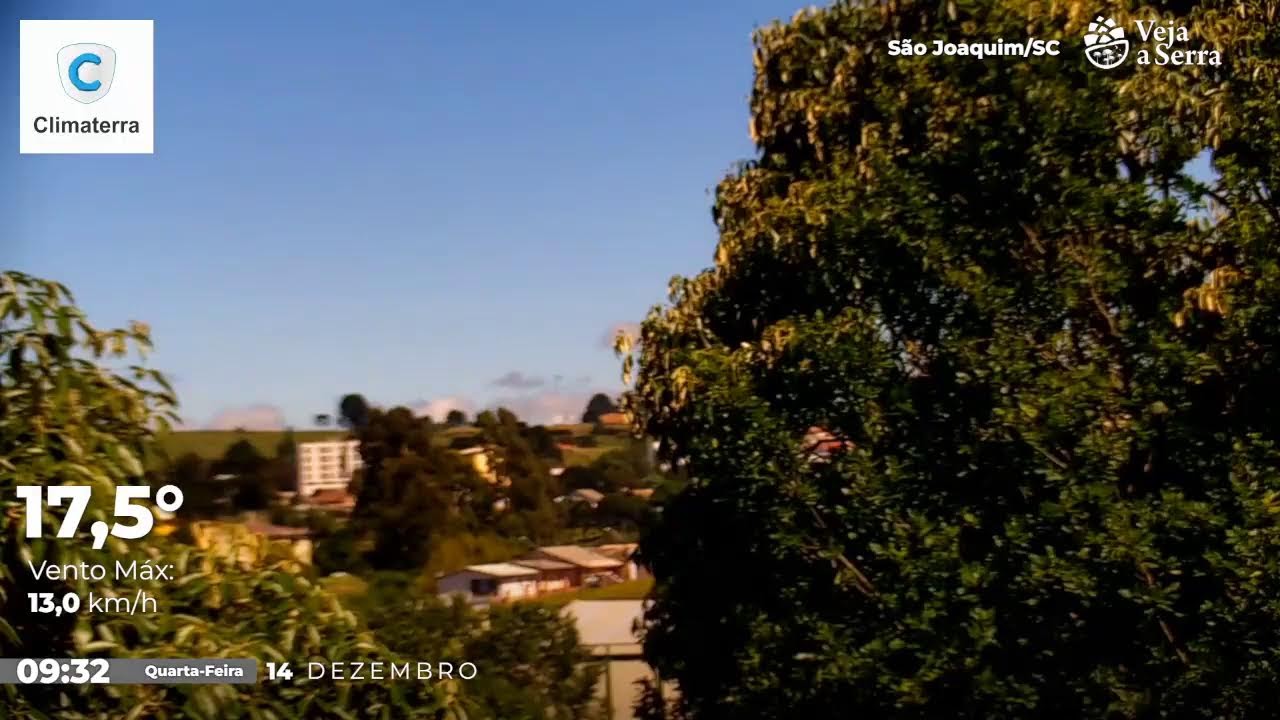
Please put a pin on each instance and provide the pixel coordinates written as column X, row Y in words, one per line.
column 484, row 586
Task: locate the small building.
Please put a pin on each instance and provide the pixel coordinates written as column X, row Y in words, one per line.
column 589, row 568
column 327, row 465
column 481, row 462
column 616, row 420
column 553, row 575
column 624, row 553
column 338, row 502
column 489, row 582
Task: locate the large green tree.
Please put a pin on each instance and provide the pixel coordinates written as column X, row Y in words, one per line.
column 523, row 474
column 1045, row 354
column 79, row 407
column 411, row 489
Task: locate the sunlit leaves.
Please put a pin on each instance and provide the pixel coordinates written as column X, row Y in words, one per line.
column 77, row 406
column 1039, row 358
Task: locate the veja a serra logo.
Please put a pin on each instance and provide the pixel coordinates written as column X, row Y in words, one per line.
column 1105, row 44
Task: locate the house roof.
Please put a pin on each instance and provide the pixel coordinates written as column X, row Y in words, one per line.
column 331, row 496
column 617, row 551
column 579, row 556
column 613, row 418
column 543, row 564
column 501, row 570
column 588, row 494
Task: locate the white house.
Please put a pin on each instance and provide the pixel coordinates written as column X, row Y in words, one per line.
column 490, row 582
column 326, row 465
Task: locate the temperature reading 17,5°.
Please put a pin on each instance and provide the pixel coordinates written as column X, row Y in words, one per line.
column 168, row 499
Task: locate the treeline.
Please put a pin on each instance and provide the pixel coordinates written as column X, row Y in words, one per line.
column 242, row 479
column 417, row 493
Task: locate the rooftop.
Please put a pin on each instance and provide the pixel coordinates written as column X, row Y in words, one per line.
column 579, row 556
column 617, row 551
column 331, row 496
column 543, row 564
column 501, row 570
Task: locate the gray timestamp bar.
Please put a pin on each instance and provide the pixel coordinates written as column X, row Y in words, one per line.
column 128, row 671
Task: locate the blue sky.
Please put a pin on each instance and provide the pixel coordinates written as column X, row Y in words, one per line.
column 411, row 200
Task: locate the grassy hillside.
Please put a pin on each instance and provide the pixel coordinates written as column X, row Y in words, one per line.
column 213, row 443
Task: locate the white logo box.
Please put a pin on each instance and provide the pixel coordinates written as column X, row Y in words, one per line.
column 57, row 116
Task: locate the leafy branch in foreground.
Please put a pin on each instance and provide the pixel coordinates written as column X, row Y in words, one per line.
column 78, row 407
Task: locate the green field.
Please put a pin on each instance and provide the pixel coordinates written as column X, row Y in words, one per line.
column 212, row 444
column 586, row 456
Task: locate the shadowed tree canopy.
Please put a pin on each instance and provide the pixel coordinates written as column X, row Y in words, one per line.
column 353, row 411
column 241, row 458
column 978, row 402
column 455, row 418
column 287, row 446
column 411, row 489
column 598, row 405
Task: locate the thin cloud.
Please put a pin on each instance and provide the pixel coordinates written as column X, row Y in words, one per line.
column 439, row 408
column 251, row 417
column 547, row 408
column 516, row 380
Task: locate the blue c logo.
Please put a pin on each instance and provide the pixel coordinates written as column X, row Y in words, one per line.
column 74, row 72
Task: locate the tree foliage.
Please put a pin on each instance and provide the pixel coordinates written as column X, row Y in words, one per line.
column 524, row 473
column 353, row 410
column 598, row 405
column 411, row 489
column 1044, row 353
column 531, row 665
column 78, row 407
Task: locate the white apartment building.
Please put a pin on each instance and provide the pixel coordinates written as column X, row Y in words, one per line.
column 326, row 465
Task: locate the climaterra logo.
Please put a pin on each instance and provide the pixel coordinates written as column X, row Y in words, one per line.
column 86, row 71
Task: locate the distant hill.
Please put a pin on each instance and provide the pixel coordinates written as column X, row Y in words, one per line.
column 213, row 444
